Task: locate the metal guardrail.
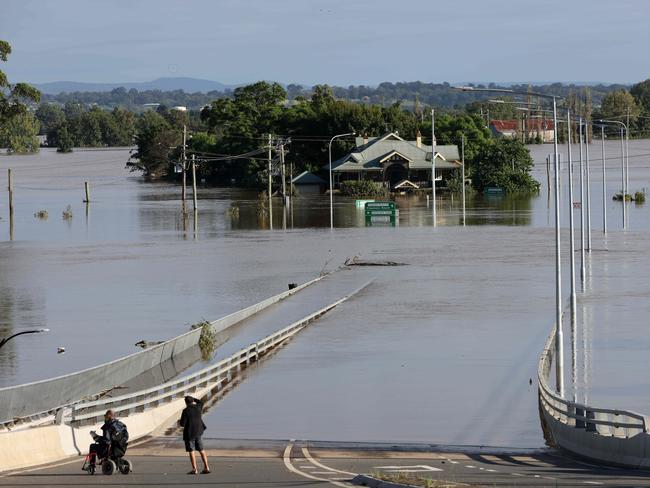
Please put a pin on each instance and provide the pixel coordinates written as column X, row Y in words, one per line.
column 37, row 390
column 600, row 421
column 215, row 374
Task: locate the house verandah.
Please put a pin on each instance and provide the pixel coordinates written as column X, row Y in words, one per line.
column 393, row 161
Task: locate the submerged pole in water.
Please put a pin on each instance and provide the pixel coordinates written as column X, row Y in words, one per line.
column 87, row 191
column 572, row 254
column 194, row 195
column 433, row 166
column 559, row 340
column 602, row 146
column 582, row 210
column 10, row 188
column 462, row 157
column 588, row 187
column 624, row 189
column 270, row 184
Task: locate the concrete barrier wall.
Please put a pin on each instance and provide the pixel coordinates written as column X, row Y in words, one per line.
column 51, row 394
column 631, row 452
column 43, row 444
column 569, row 430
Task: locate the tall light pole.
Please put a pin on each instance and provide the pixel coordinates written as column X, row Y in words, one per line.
column 559, row 344
column 624, row 189
column 36, row 331
column 572, row 249
column 433, row 166
column 588, row 187
column 462, row 159
column 331, row 186
column 602, row 146
column 582, row 208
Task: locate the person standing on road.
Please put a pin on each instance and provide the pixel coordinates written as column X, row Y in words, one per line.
column 193, row 428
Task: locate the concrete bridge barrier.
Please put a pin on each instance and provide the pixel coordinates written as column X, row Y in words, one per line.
column 610, row 436
column 38, row 401
column 144, row 412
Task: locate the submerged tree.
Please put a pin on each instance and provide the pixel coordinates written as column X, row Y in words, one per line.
column 506, row 164
column 19, row 128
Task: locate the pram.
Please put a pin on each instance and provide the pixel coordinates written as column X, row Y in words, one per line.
column 109, row 456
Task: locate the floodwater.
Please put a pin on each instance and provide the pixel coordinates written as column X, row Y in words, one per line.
column 440, row 350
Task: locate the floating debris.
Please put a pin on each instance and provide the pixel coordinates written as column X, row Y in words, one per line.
column 355, row 261
column 41, row 215
column 67, row 213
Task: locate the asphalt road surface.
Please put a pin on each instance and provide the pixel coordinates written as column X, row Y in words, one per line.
column 263, row 464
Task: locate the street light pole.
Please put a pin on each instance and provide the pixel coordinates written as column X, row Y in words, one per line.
column 623, row 163
column 572, row 250
column 588, row 187
column 433, row 166
column 7, row 339
column 582, row 209
column 602, row 145
column 559, row 345
column 559, row 339
column 331, row 186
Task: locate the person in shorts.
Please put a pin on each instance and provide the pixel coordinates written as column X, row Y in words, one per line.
column 193, row 428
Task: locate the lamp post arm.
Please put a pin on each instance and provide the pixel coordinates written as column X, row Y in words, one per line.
column 7, row 339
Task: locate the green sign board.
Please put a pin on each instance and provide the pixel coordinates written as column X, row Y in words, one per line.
column 380, row 213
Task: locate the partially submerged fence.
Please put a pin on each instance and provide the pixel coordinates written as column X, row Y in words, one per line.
column 39, row 400
column 608, row 435
column 212, row 377
column 146, row 411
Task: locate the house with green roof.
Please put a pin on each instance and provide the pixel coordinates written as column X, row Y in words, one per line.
column 393, row 161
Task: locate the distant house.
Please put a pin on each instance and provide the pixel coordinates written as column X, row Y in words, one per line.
column 515, row 128
column 307, row 182
column 391, row 160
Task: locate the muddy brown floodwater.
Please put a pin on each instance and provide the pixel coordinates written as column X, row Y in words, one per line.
column 440, row 350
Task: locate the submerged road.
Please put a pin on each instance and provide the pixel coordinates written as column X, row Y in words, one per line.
column 162, row 462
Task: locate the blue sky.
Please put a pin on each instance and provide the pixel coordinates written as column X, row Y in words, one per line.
column 327, row 41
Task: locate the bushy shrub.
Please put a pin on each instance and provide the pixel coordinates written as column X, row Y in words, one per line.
column 363, row 188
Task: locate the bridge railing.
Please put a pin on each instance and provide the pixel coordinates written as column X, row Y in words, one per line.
column 42, row 401
column 601, row 421
column 212, row 376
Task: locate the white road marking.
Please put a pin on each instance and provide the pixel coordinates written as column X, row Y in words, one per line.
column 420, row 468
column 592, row 483
column 286, row 457
column 470, row 466
column 517, row 474
column 311, row 459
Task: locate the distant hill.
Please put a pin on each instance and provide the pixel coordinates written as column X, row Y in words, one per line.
column 189, row 85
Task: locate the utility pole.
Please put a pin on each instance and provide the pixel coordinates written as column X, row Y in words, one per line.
column 282, row 172
column 462, row 157
column 184, row 158
column 10, row 188
column 194, row 196
column 270, row 185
